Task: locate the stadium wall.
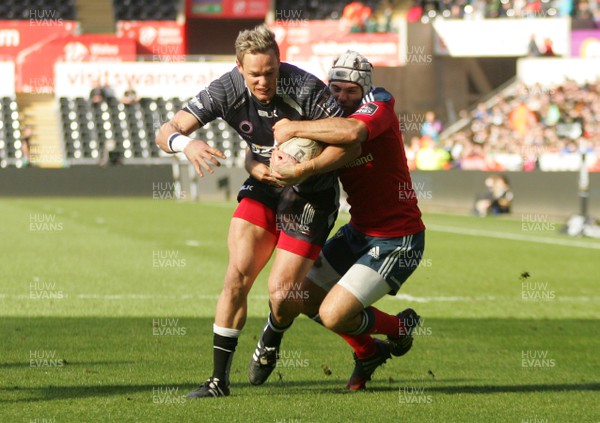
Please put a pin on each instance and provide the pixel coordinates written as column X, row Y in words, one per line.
column 551, row 193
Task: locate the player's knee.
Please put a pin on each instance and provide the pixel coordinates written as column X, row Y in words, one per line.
column 282, row 307
column 330, row 318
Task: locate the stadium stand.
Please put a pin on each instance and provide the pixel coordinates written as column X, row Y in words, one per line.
column 34, row 9
column 520, row 128
column 145, row 10
column 128, row 131
column 426, row 10
column 10, row 133
column 320, row 10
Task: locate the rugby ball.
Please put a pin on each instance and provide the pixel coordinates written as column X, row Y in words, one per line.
column 301, row 149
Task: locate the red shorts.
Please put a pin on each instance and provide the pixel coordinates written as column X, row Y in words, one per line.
column 300, row 221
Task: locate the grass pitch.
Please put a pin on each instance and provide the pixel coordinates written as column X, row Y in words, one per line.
column 107, row 308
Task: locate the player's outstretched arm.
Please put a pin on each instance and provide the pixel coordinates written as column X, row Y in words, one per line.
column 333, row 130
column 173, row 138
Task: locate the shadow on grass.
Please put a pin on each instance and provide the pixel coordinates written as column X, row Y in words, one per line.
column 130, row 341
column 330, row 387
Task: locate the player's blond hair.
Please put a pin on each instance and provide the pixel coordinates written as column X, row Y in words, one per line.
column 258, row 40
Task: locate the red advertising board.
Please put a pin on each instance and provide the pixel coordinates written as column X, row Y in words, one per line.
column 35, row 69
column 163, row 40
column 18, row 36
column 231, row 9
column 322, row 41
column 35, row 45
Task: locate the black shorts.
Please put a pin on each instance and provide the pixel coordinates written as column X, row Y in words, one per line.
column 395, row 259
column 301, row 220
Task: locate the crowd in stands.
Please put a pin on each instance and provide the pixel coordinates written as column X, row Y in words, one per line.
column 425, row 10
column 527, row 128
column 368, row 16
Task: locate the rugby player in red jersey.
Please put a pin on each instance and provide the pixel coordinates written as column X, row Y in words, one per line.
column 372, row 255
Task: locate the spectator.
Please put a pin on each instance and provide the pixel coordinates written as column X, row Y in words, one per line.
column 521, row 119
column 355, row 16
column 97, row 94
column 429, row 157
column 565, row 7
column 532, row 48
column 415, row 12
column 129, row 96
column 498, row 198
column 431, row 127
column 26, row 133
column 548, row 50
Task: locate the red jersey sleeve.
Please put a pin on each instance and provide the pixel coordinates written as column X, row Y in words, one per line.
column 377, row 111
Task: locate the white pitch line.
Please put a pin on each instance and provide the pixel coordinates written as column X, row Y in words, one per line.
column 406, row 297
column 514, row 237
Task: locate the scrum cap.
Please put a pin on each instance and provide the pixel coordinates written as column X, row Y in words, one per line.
column 352, row 67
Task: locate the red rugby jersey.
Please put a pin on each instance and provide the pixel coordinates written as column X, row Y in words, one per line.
column 380, row 192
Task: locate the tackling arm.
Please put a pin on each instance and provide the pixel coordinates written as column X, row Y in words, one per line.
column 333, row 130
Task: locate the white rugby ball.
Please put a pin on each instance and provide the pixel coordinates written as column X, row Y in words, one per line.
column 301, row 149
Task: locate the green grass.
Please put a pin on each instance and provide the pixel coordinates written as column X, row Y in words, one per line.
column 101, row 261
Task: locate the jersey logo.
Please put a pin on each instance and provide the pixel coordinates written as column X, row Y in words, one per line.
column 374, row 252
column 368, row 109
column 262, row 151
column 270, row 115
column 196, row 103
column 246, row 126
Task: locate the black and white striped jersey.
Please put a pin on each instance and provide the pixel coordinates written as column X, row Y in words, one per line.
column 300, row 96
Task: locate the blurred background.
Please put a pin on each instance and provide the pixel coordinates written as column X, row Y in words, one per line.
column 483, row 88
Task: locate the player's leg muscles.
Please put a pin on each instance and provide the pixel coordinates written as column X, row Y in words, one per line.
column 286, row 293
column 250, row 247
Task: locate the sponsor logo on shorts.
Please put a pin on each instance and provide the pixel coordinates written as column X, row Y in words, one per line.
column 374, row 252
column 246, row 188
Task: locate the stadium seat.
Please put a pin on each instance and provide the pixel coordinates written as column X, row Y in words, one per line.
column 86, row 129
column 145, row 10
column 22, row 10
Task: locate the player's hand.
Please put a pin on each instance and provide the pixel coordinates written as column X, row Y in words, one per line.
column 200, row 154
column 282, row 130
column 285, row 169
column 261, row 172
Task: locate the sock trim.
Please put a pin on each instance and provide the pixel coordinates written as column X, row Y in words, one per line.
column 274, row 328
column 229, row 333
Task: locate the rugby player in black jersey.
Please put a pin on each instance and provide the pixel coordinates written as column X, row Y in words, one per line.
column 249, row 98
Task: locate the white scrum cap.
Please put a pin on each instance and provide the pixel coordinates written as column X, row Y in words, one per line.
column 352, row 67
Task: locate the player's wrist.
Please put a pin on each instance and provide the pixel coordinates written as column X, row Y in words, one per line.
column 177, row 142
column 307, row 168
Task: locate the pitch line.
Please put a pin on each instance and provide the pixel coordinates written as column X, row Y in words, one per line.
column 513, row 237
